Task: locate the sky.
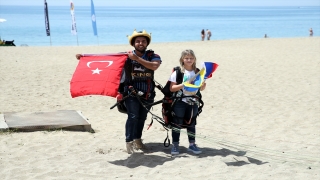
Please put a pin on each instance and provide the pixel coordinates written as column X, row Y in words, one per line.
column 165, row 2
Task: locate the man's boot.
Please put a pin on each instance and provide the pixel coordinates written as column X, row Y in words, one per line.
column 137, row 143
column 129, row 146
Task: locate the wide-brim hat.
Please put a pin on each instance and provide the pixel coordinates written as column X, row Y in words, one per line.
column 138, row 34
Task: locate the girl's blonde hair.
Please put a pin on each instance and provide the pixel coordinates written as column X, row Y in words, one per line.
column 184, row 54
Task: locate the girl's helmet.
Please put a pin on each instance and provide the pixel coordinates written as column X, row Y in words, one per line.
column 137, row 34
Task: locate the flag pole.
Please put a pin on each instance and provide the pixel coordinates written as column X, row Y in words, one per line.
column 77, row 41
column 195, row 76
column 98, row 40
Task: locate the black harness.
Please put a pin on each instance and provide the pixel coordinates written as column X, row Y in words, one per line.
column 171, row 97
column 138, row 77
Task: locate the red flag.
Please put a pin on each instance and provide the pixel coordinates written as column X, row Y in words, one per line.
column 97, row 74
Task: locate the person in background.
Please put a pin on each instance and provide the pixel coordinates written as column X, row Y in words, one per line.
column 208, row 34
column 185, row 107
column 203, row 34
column 311, row 32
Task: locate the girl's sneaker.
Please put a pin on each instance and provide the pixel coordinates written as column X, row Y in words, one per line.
column 194, row 149
column 175, row 150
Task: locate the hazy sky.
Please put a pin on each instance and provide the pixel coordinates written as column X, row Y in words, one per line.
column 166, row 2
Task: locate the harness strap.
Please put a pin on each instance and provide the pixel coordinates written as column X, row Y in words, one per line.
column 166, row 140
column 188, row 122
column 148, row 89
column 150, row 123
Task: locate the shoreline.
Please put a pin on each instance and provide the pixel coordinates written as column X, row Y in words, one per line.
column 212, row 40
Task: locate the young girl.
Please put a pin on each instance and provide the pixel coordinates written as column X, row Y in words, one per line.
column 187, row 107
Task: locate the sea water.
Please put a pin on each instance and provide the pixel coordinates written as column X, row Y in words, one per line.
column 26, row 24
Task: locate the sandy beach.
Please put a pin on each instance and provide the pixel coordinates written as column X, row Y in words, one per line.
column 261, row 117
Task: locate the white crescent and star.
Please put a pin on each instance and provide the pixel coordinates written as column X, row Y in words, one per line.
column 97, row 71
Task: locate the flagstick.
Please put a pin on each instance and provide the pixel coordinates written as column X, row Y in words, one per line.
column 77, row 41
column 194, row 77
column 98, row 40
column 50, row 41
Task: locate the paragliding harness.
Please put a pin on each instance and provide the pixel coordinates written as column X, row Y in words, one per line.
column 122, row 95
column 170, row 98
column 168, row 103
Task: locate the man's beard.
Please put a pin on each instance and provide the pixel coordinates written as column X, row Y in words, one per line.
column 141, row 51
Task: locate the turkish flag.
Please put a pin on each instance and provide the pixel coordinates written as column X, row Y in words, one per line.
column 97, row 74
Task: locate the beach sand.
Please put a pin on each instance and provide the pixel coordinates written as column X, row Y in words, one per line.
column 261, row 117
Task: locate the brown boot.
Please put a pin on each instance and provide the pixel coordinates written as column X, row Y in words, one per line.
column 137, row 144
column 129, row 146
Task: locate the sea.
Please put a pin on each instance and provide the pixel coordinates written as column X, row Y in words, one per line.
column 26, row 24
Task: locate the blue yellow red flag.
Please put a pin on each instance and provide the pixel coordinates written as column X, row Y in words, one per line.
column 210, row 68
column 192, row 86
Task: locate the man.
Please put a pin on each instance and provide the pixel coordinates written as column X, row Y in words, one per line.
column 138, row 77
column 208, row 34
